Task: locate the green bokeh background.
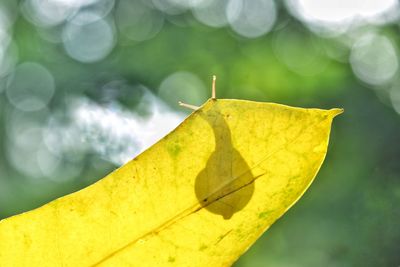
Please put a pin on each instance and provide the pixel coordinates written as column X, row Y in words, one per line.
column 348, row 217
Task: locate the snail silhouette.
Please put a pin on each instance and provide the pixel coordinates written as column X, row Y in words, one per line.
column 226, row 184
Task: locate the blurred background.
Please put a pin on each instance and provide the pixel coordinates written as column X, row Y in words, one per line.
column 86, row 85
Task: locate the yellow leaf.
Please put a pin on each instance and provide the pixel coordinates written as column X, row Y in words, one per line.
column 199, row 197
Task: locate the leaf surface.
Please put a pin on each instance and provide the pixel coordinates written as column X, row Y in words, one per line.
column 199, row 197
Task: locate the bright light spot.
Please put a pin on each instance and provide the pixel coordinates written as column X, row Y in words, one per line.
column 8, row 54
column 27, row 151
column 75, row 3
column 47, row 13
column 30, row 87
column 299, row 50
column 338, row 15
column 111, row 131
column 212, row 13
column 48, row 163
column 28, row 155
column 138, row 21
column 338, row 10
column 186, row 3
column 17, row 121
column 8, row 59
column 175, row 7
column 88, row 38
column 185, row 87
column 54, row 12
column 21, row 151
column 395, row 98
column 168, row 8
column 63, row 138
column 5, row 25
column 374, row 59
column 8, row 12
column 251, row 18
column 101, row 7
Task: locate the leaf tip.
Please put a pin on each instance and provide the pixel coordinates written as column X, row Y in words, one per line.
column 336, row 111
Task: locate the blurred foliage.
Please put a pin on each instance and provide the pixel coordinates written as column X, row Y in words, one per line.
column 113, row 69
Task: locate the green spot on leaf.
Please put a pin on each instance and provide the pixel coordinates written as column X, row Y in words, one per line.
column 203, row 247
column 264, row 214
column 174, row 149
